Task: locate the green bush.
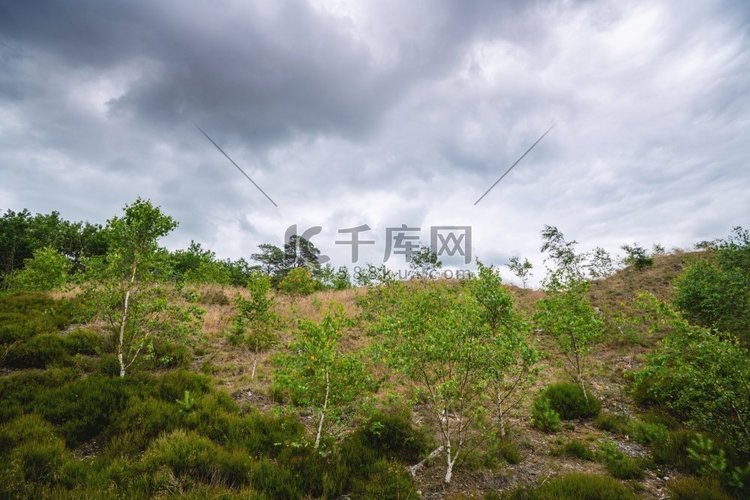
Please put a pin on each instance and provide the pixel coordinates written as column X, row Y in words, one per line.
column 19, row 391
column 298, row 281
column 32, row 457
column 85, row 407
column 647, row 433
column 387, row 480
column 276, row 482
column 391, row 434
column 82, row 341
column 25, row 429
column 172, row 385
column 38, row 352
column 499, row 448
column 616, row 424
column 214, row 297
column 543, row 417
column 620, row 465
column 577, row 449
column 715, row 292
column 569, row 401
column 46, row 270
column 673, row 451
column 189, row 455
column 699, row 377
column 23, row 315
column 691, row 488
column 140, row 422
column 576, row 486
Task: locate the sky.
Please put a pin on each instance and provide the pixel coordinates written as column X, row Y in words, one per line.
column 383, row 113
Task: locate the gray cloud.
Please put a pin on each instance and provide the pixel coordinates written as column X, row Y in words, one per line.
column 382, row 113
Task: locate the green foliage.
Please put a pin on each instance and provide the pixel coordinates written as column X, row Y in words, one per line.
column 391, row 434
column 576, row 449
column 21, row 235
column 521, row 269
column 511, row 364
column 543, row 417
column 193, row 456
column 298, row 281
column 500, row 449
column 567, row 315
column 38, row 352
column 618, row 464
column 699, row 377
column 610, row 422
column 691, row 488
column 253, row 324
column 196, row 265
column 126, row 290
column 435, row 336
column 565, row 264
column 569, row 402
column 575, row 486
column 637, row 257
column 46, row 270
column 647, row 433
column 385, row 480
column 715, row 292
column 424, row 263
column 316, row 374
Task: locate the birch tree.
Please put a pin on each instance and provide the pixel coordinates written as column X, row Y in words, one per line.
column 255, row 320
column 511, row 366
column 316, row 374
column 126, row 285
column 435, row 339
column 568, row 316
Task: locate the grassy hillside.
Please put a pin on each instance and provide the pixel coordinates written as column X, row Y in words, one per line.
column 204, row 418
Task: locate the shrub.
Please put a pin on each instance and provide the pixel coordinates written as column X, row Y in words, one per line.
column 32, row 456
column 172, row 385
column 46, row 270
column 274, row 481
column 647, row 433
column 569, row 401
column 196, row 457
column 391, row 434
column 140, row 423
column 699, row 377
column 214, row 297
column 543, row 417
column 690, row 488
column 501, row 448
column 576, row 486
column 610, row 422
column 620, row 465
column 673, row 451
column 84, row 407
column 715, row 292
column 298, row 281
column 19, row 391
column 386, row 480
column 24, row 429
column 82, row 341
column 38, row 352
column 577, row 449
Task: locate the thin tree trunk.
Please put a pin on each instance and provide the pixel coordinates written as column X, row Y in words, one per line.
column 322, row 413
column 451, row 462
column 416, row 467
column 500, row 419
column 255, row 364
column 123, row 322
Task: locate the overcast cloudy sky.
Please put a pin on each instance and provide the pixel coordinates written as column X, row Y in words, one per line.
column 382, row 113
